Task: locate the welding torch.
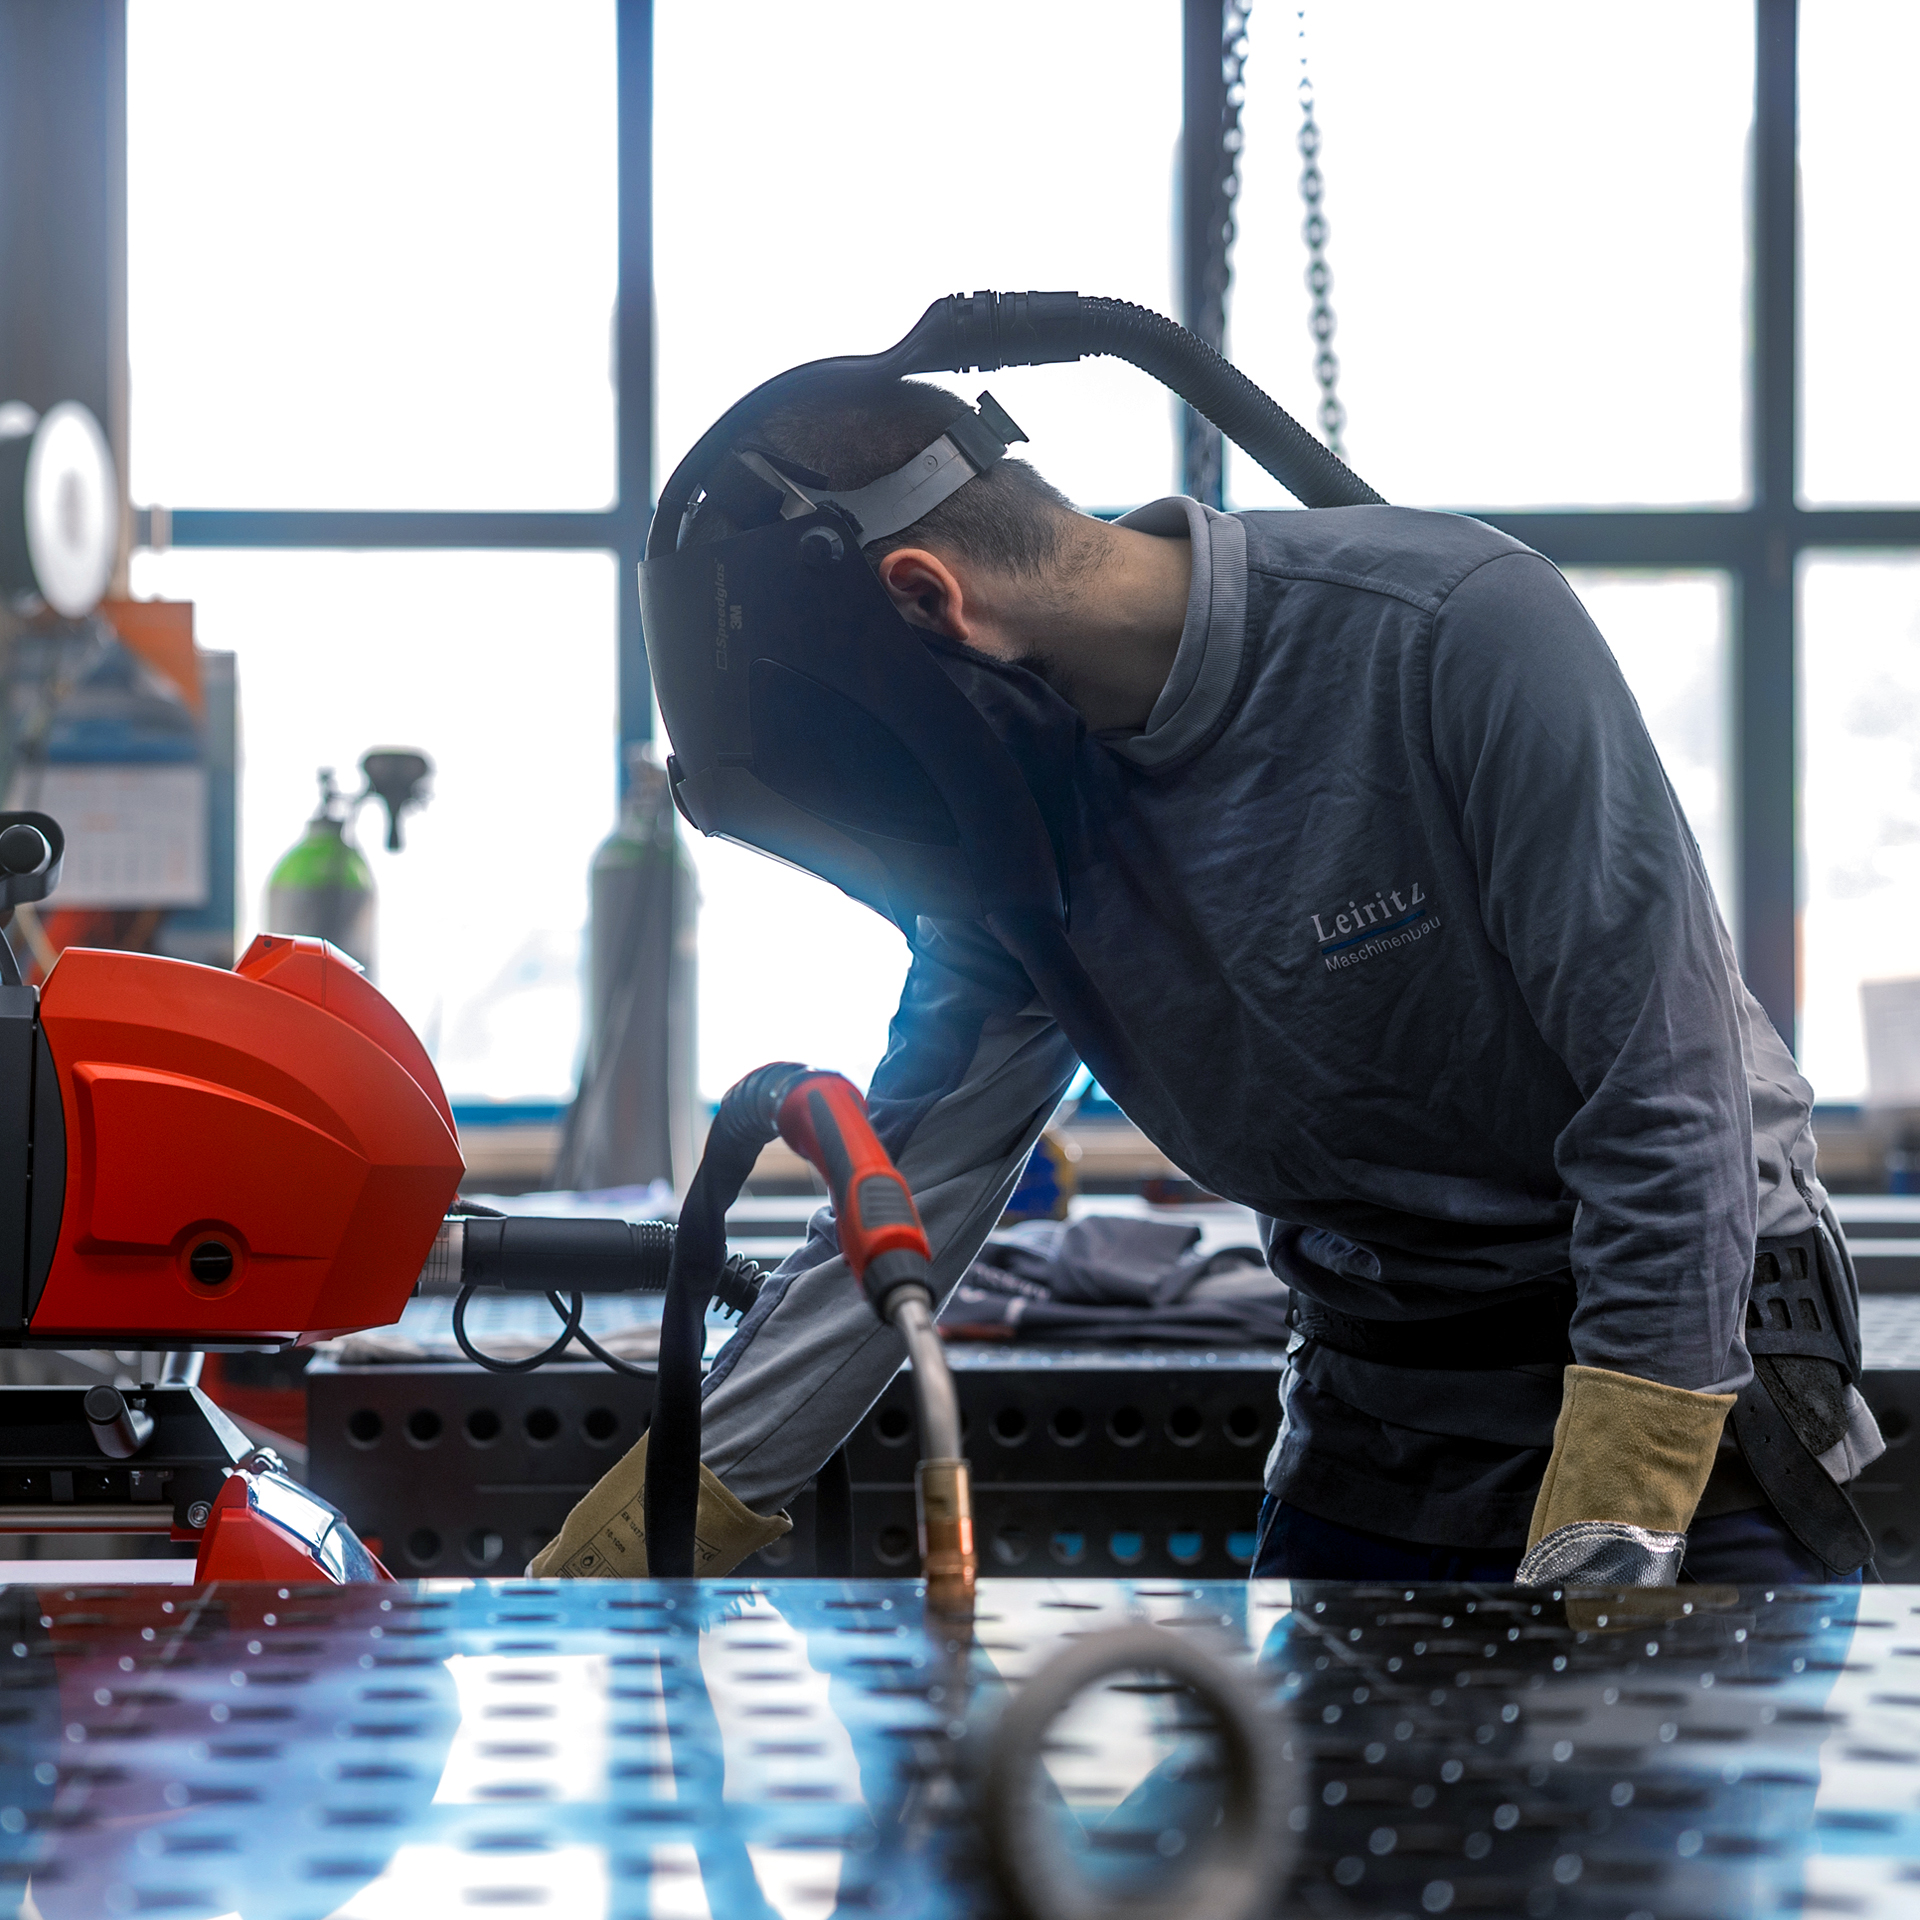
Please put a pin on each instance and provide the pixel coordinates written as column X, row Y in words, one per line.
column 823, row 1118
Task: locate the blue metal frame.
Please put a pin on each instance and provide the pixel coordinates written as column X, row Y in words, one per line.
column 1758, row 545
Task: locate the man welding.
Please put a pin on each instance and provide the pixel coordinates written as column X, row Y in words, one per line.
column 1369, row 857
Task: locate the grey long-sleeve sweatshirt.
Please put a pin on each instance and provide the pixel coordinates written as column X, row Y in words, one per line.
column 1402, row 913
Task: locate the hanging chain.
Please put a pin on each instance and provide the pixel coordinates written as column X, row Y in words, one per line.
column 1233, row 68
column 1204, row 451
column 1326, row 363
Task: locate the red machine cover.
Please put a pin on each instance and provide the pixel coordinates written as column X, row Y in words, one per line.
column 263, row 1155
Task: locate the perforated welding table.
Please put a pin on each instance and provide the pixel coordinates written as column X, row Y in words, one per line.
column 748, row 1750
column 1101, row 1462
column 1096, row 1461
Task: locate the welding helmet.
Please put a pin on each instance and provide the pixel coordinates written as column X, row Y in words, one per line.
column 809, row 720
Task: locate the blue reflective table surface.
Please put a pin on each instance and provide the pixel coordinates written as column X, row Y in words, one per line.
column 740, row 1750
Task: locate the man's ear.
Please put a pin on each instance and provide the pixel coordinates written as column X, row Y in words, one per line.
column 926, row 592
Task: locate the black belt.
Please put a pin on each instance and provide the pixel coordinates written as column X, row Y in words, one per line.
column 1528, row 1331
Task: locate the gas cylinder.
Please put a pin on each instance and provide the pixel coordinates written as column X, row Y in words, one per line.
column 323, row 885
column 632, row 1120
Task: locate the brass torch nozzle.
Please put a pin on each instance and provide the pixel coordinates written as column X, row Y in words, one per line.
column 943, row 1492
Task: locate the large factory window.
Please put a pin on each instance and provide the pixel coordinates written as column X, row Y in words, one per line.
column 1539, row 285
column 1860, row 823
column 499, row 665
column 786, row 963
column 880, row 114
column 380, row 311
column 392, row 288
column 924, row 150
column 390, row 285
column 1860, row 173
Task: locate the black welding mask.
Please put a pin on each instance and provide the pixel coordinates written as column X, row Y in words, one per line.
column 810, row 721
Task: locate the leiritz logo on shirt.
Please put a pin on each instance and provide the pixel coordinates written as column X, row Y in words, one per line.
column 1388, row 918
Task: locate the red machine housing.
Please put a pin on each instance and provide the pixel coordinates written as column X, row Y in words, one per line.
column 262, row 1156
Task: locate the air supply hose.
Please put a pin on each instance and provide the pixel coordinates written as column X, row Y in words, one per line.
column 986, row 331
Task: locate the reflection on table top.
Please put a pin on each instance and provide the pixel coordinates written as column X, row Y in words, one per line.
column 790, row 1749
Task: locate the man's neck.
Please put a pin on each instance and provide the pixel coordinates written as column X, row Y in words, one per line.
column 1105, row 627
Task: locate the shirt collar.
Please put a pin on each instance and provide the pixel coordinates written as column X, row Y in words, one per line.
column 1206, row 666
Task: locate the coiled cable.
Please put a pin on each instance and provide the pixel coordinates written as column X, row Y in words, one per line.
column 569, row 1313
column 736, row 1288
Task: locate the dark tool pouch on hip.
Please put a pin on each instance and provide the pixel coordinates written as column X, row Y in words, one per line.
column 1803, row 1330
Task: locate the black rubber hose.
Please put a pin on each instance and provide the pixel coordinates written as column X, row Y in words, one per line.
column 1219, row 391
column 745, row 1122
column 986, row 331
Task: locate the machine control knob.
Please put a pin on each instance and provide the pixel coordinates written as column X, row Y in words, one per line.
column 119, row 1430
column 211, row 1262
column 24, row 849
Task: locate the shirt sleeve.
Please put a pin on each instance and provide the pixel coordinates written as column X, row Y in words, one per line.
column 974, row 1069
column 1593, row 888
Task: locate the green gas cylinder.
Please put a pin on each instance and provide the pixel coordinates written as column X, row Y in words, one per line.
column 322, row 884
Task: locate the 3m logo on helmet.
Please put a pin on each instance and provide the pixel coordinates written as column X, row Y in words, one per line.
column 726, row 617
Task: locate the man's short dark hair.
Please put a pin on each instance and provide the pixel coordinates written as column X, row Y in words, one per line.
column 854, row 429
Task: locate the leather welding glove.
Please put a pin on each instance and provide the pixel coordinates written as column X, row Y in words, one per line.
column 1630, row 1462
column 605, row 1537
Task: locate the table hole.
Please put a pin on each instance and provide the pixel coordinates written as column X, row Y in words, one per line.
column 1245, row 1425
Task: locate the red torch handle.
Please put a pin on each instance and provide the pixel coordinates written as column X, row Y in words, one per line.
column 824, row 1120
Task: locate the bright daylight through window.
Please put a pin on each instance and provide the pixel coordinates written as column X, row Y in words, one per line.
column 1547, row 310
column 1860, row 612
column 744, row 294
column 419, row 318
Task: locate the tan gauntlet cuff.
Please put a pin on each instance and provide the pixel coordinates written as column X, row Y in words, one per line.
column 605, row 1537
column 1630, row 1461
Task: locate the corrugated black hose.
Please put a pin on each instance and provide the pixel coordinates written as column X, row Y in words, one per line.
column 745, row 1122
column 987, row 331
